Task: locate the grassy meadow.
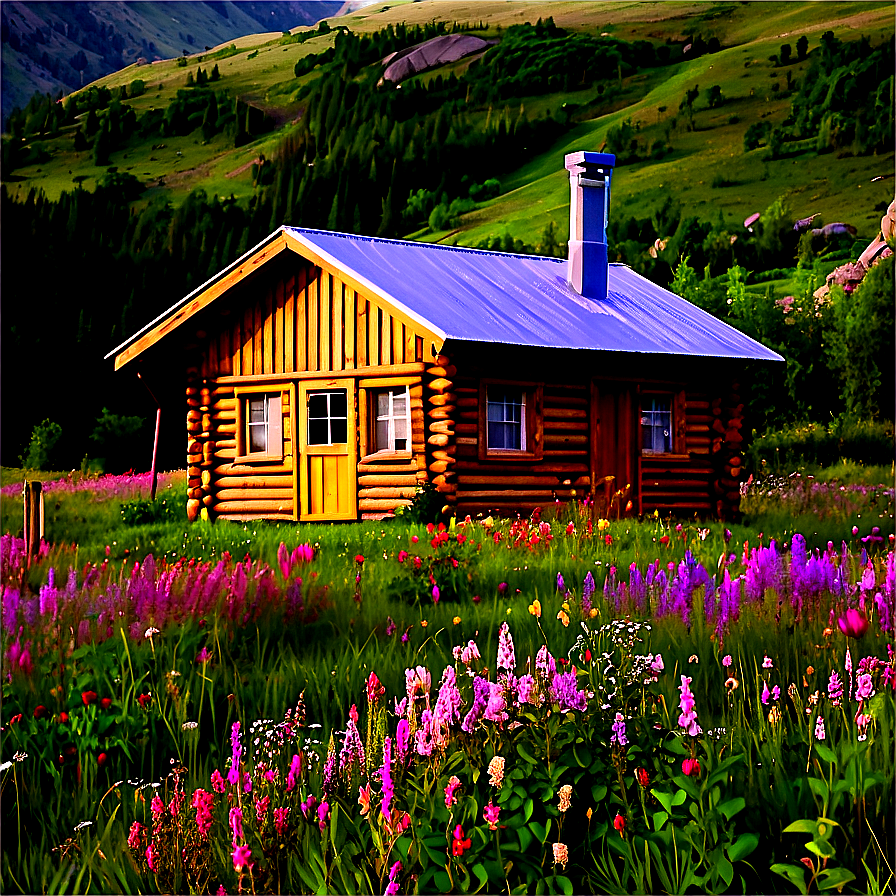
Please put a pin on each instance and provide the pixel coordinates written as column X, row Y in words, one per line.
column 554, row 704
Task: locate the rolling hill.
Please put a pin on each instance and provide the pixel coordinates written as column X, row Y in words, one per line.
column 61, row 46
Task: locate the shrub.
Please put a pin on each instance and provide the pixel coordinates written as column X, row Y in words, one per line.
column 863, row 440
column 42, row 447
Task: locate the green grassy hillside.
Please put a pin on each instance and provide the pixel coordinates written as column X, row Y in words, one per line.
column 260, row 70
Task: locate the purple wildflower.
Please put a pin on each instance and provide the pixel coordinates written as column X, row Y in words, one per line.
column 618, row 736
column 506, row 657
column 386, row 778
column 688, row 717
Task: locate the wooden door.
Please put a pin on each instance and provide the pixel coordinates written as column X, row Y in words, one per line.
column 327, row 445
column 614, row 446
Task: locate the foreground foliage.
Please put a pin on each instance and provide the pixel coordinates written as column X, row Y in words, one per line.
column 174, row 725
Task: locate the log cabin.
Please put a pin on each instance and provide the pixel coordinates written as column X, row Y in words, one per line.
column 328, row 376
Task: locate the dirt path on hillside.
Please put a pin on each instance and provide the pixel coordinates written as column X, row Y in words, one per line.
column 242, row 168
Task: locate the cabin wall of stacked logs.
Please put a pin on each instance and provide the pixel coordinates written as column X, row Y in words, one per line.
column 470, row 485
column 708, row 480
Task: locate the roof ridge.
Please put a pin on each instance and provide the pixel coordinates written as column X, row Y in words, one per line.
column 381, row 239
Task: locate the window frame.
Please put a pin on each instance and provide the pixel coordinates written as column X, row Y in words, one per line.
column 677, row 422
column 274, row 452
column 374, row 418
column 532, row 433
column 329, row 418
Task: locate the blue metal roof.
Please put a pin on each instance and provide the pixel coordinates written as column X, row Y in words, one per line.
column 499, row 297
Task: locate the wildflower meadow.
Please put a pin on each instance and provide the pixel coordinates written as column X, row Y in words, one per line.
column 552, row 704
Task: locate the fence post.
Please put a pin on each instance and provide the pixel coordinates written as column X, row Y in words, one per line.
column 34, row 515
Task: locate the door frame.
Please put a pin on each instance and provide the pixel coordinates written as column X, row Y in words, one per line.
column 305, row 451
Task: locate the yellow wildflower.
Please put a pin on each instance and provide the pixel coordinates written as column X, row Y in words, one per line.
column 535, row 608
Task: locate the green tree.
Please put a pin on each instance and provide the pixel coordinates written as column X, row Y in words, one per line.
column 860, row 343
column 41, row 450
column 102, row 145
column 802, row 47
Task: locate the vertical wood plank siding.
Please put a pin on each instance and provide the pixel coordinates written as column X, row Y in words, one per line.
column 292, row 318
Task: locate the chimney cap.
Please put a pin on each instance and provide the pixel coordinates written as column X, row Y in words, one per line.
column 582, row 159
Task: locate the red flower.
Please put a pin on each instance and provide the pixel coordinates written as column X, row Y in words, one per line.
column 643, row 777
column 16, row 719
column 608, row 539
column 587, row 655
column 101, row 759
column 459, row 844
column 144, row 700
column 853, row 623
column 63, row 718
column 690, row 767
column 40, row 711
column 619, row 823
column 359, row 559
column 88, row 697
column 664, row 539
column 106, row 702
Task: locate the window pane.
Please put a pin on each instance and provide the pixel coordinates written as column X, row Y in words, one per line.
column 400, row 427
column 401, row 444
column 338, row 404
column 382, row 435
column 399, row 402
column 317, row 405
column 318, row 432
column 258, row 438
column 338, row 432
column 256, row 410
column 495, row 411
column 382, row 404
column 504, row 413
column 656, row 425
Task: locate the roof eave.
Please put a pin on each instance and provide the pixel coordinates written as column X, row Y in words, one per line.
column 198, row 299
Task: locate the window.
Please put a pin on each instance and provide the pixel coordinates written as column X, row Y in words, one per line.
column 391, row 420
column 328, row 417
column 510, row 424
column 656, row 425
column 259, row 425
column 506, row 417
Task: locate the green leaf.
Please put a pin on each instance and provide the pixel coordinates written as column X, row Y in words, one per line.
column 679, row 798
column 599, row 792
column 833, row 878
column 801, row 826
column 665, row 799
column 659, row 819
column 442, row 882
column 726, row 871
column 731, row 807
column 796, row 875
column 525, row 836
column 821, row 848
column 538, row 830
column 565, row 884
column 582, row 756
column 525, row 754
column 481, row 875
column 742, row 847
column 825, row 753
column 820, row 788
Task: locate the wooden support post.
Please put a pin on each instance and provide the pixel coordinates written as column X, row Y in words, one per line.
column 155, row 444
column 155, row 454
column 34, row 515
